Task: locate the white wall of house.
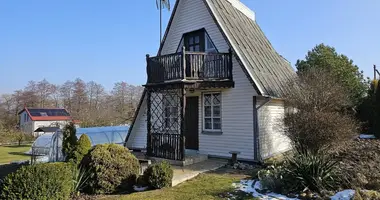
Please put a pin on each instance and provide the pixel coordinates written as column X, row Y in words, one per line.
column 137, row 139
column 237, row 103
column 26, row 124
column 271, row 128
column 38, row 124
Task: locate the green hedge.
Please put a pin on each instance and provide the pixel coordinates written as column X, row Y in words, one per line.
column 158, row 175
column 42, row 181
column 113, row 169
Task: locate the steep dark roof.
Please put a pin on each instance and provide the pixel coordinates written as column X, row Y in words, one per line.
column 268, row 70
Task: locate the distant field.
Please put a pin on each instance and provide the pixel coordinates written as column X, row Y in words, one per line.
column 13, row 153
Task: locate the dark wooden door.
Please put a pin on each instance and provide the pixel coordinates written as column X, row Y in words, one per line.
column 191, row 123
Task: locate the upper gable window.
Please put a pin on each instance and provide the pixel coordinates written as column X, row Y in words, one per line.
column 197, row 41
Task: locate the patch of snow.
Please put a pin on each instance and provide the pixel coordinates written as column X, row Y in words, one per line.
column 344, row 195
column 139, row 189
column 252, row 186
column 367, row 136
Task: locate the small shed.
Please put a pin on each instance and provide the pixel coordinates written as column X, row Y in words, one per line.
column 46, row 130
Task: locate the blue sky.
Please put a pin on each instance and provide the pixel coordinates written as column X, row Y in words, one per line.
column 106, row 41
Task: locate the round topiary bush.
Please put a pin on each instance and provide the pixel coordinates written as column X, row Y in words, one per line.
column 113, row 169
column 82, row 148
column 42, row 181
column 158, row 175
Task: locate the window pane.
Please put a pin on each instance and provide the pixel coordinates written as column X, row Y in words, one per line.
column 196, row 39
column 167, row 111
column 207, row 99
column 216, row 111
column 217, row 124
column 191, row 40
column 196, row 48
column 216, row 99
column 207, row 111
column 208, row 123
column 174, row 112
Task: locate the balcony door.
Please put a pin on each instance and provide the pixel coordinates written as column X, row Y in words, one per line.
column 194, row 42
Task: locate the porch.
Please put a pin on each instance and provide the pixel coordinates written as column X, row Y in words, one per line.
column 183, row 173
column 173, row 121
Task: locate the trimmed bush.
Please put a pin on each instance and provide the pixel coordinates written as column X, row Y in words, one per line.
column 42, row 181
column 113, row 169
column 82, row 148
column 158, row 175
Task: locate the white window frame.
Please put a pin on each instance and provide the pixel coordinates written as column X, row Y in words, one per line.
column 212, row 112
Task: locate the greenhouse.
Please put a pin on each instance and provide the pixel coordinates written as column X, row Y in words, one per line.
column 48, row 147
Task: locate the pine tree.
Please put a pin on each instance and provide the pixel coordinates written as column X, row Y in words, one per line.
column 69, row 141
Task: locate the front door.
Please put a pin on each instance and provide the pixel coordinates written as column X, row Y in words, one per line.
column 191, row 123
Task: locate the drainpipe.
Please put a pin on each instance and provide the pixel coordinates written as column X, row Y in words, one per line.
column 256, row 134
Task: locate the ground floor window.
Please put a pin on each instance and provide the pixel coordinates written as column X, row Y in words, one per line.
column 171, row 113
column 212, row 106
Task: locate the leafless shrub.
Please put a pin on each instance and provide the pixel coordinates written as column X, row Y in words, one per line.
column 319, row 119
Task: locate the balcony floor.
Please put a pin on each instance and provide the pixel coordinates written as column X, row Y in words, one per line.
column 196, row 84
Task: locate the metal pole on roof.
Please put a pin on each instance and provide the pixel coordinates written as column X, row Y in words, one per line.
column 374, row 72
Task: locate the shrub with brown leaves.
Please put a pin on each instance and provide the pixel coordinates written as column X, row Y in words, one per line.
column 320, row 119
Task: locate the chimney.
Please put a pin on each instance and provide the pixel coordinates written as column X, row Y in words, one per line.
column 243, row 9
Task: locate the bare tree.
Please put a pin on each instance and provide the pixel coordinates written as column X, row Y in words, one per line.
column 55, row 95
column 87, row 102
column 67, row 92
column 79, row 98
column 44, row 90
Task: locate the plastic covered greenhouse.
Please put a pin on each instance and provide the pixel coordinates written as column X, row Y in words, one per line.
column 48, row 147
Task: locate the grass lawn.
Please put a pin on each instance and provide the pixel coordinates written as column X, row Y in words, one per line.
column 213, row 185
column 13, row 153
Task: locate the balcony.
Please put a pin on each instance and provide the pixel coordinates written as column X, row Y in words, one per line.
column 188, row 66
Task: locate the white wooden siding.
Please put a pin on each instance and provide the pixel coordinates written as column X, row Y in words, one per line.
column 192, row 15
column 137, row 139
column 38, row 124
column 271, row 124
column 237, row 103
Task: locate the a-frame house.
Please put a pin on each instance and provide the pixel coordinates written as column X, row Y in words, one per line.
column 214, row 87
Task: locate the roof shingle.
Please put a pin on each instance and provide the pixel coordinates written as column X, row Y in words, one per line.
column 269, row 70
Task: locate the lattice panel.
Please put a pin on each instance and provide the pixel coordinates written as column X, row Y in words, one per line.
column 165, row 111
